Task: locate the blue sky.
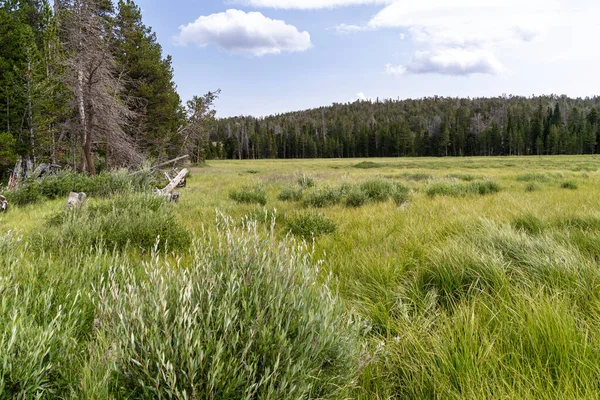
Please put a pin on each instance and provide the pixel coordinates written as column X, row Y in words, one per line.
column 273, row 56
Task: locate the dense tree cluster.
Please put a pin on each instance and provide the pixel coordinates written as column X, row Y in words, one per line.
column 435, row 126
column 84, row 83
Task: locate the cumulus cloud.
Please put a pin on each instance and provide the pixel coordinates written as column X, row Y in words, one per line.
column 240, row 32
column 449, row 62
column 306, row 4
column 462, row 37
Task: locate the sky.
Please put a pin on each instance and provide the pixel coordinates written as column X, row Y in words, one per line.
column 274, row 56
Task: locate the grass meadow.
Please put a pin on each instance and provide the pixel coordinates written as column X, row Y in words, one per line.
column 407, row 278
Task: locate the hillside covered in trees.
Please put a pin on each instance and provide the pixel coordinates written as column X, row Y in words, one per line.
column 84, row 83
column 426, row 127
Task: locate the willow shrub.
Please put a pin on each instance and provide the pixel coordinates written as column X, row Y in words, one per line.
column 248, row 319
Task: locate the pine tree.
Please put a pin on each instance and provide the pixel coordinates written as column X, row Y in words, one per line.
column 148, row 83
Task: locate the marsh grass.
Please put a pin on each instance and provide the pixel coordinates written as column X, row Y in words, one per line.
column 310, row 224
column 455, row 189
column 249, row 195
column 462, row 296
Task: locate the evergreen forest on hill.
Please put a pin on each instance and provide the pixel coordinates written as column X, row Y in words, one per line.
column 436, row 126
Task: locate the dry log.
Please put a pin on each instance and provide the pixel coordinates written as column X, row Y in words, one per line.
column 76, row 200
column 167, row 190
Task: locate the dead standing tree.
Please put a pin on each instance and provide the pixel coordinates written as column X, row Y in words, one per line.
column 101, row 114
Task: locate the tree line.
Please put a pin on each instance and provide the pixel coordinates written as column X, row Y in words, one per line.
column 84, row 83
column 437, row 126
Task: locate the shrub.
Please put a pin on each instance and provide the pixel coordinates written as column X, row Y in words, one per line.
column 290, row 194
column 418, row 177
column 311, row 224
column 135, row 220
column 569, row 185
column 463, row 177
column 323, row 198
column 483, row 188
column 531, row 187
column 103, row 185
column 368, row 165
column 355, row 197
column 533, row 178
column 378, row 190
column 443, row 188
column 401, row 194
column 306, row 181
column 247, row 319
column 249, row 195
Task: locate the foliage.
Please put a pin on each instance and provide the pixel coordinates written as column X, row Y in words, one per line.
column 451, row 188
column 310, row 224
column 434, row 126
column 103, row 185
column 249, row 195
column 138, row 221
column 291, row 194
column 306, row 181
column 569, row 185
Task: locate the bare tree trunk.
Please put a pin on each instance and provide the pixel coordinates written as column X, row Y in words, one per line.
column 30, row 112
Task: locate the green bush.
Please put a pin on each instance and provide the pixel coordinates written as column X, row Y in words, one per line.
column 355, row 197
column 532, row 187
column 569, row 185
column 540, row 178
column 249, row 319
column 483, row 188
column 463, row 177
column 103, row 185
column 443, row 188
column 290, row 194
column 449, row 188
column 249, row 195
column 134, row 220
column 323, row 198
column 368, row 165
column 306, row 181
column 311, row 224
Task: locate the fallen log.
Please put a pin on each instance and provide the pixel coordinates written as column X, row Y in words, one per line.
column 167, row 191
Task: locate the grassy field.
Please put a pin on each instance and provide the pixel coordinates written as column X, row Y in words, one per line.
column 470, row 278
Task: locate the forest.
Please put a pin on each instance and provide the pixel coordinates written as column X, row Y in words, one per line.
column 84, row 84
column 437, row 126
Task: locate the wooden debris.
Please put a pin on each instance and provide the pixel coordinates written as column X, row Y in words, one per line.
column 155, row 167
column 3, row 204
column 45, row 170
column 167, row 191
column 76, row 200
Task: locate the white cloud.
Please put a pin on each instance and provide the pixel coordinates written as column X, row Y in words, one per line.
column 461, row 37
column 395, row 69
column 306, row 4
column 363, row 97
column 449, row 62
column 240, row 32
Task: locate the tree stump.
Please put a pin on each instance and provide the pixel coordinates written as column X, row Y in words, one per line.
column 3, row 204
column 76, row 200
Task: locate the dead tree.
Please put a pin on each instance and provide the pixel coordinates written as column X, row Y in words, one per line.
column 92, row 79
column 167, row 191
